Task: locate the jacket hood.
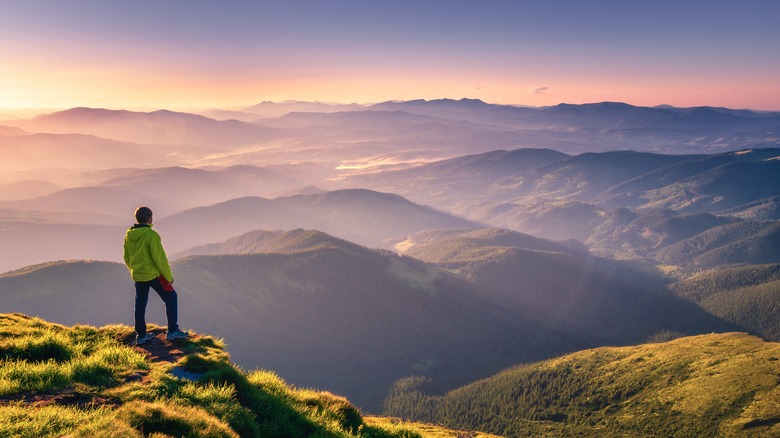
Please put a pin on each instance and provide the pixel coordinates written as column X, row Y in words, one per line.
column 138, row 231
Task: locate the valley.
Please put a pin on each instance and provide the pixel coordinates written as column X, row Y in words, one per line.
column 564, row 270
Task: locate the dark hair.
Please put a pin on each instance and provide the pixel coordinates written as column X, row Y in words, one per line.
column 143, row 215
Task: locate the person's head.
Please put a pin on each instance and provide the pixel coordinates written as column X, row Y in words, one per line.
column 143, row 215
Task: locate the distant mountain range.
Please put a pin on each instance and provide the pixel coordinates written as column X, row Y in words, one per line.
column 620, row 203
column 425, row 245
column 414, row 130
column 98, row 217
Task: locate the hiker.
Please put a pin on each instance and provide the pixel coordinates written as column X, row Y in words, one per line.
column 148, row 265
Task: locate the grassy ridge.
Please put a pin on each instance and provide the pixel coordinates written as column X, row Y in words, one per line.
column 86, row 382
column 707, row 385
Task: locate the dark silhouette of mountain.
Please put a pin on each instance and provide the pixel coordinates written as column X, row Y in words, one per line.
column 158, row 127
column 707, row 385
column 366, row 217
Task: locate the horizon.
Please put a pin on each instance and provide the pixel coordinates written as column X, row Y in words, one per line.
column 182, row 55
column 11, row 114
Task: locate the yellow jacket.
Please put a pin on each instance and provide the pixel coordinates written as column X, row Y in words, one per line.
column 144, row 254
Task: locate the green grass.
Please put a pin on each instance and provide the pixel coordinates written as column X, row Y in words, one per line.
column 87, row 382
column 708, row 385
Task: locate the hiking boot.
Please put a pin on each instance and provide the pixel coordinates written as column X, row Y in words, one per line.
column 178, row 334
column 140, row 340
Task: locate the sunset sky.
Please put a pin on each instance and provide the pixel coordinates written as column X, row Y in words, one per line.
column 181, row 54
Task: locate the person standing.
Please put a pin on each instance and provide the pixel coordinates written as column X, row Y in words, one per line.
column 148, row 265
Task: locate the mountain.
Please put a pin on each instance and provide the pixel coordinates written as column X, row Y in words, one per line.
column 741, row 242
column 743, row 295
column 719, row 189
column 178, row 186
column 706, row 385
column 363, row 216
column 33, row 238
column 601, row 302
column 87, row 381
column 372, row 137
column 11, row 130
column 24, row 189
column 602, row 115
column 620, row 203
column 261, row 241
column 456, row 180
column 157, row 127
column 279, row 109
column 368, row 317
column 47, row 228
column 102, row 205
column 74, row 151
column 615, row 179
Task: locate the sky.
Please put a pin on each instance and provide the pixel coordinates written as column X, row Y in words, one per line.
column 186, row 54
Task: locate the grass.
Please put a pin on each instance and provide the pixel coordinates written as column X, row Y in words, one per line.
column 707, row 385
column 87, row 382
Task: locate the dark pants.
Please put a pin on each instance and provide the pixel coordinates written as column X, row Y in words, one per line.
column 142, row 297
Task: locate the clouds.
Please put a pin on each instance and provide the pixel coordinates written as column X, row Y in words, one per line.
column 538, row 90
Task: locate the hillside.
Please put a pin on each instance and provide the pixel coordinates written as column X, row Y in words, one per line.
column 365, row 217
column 262, row 241
column 599, row 301
column 741, row 242
column 744, row 295
column 157, row 127
column 84, row 381
column 370, row 317
column 707, row 385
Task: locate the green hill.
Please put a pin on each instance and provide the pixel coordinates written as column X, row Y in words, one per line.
column 707, row 385
column 84, row 381
column 744, row 295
